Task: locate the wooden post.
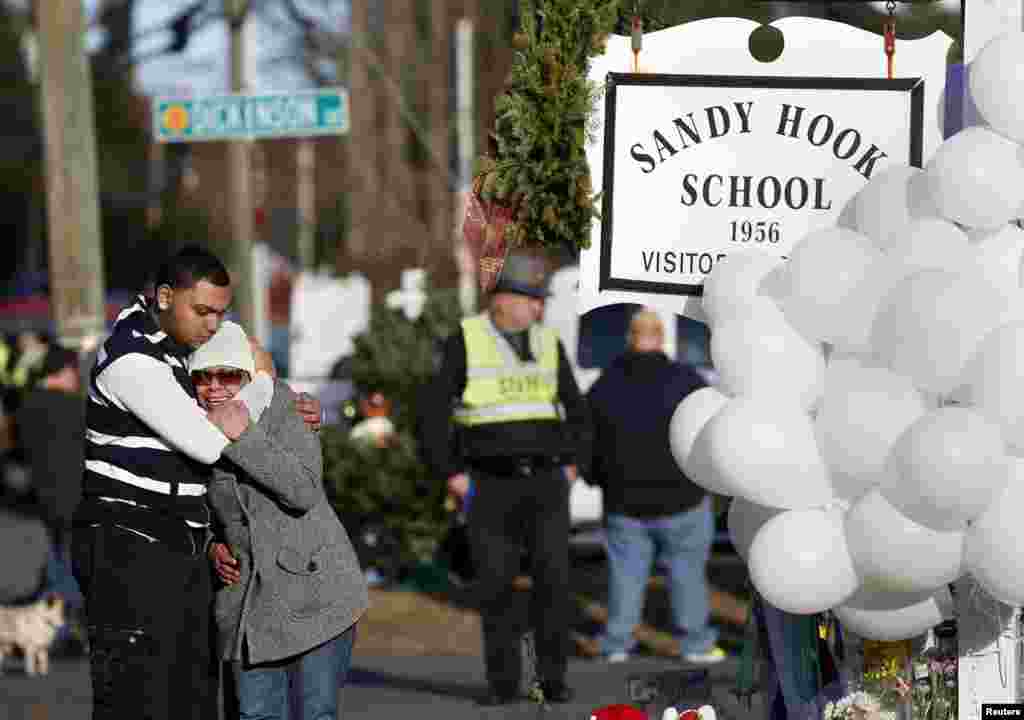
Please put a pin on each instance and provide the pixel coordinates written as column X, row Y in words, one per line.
column 305, row 159
column 72, row 185
column 465, row 88
column 240, row 187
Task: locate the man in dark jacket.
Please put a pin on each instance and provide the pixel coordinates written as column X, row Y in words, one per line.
column 51, row 429
column 651, row 507
column 506, row 388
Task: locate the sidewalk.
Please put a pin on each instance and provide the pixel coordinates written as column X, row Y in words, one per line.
column 439, row 688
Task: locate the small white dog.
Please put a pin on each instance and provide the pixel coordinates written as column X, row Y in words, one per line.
column 31, row 629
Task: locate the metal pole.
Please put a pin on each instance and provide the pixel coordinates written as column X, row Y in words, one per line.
column 465, row 85
column 72, row 184
column 240, row 196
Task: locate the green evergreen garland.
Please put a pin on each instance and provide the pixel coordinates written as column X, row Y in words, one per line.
column 539, row 166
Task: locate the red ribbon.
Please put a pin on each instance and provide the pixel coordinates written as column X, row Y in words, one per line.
column 890, row 45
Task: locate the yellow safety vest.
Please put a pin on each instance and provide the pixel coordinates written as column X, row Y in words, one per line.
column 499, row 386
column 16, row 376
column 5, row 358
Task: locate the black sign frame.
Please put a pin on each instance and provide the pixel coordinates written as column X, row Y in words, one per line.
column 913, row 86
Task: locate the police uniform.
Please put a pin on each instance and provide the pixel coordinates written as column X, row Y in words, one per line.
column 518, row 418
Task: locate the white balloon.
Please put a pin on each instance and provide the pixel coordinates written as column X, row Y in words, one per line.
column 996, row 81
column 994, row 383
column 765, row 451
column 928, row 326
column 892, row 553
column 824, row 269
column 689, row 418
column 799, row 561
column 862, row 305
column 758, row 354
column 993, row 542
column 946, row 468
column 744, row 520
column 775, row 284
column 891, row 200
column 931, row 243
column 700, row 466
column 735, row 283
column 999, row 255
column 975, row 178
column 863, row 411
column 901, row 623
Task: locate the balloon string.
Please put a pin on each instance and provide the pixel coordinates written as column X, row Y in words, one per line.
column 995, row 612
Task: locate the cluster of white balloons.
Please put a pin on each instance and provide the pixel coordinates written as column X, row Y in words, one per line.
column 869, row 420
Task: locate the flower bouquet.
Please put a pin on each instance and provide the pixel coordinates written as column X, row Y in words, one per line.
column 935, row 695
column 860, row 705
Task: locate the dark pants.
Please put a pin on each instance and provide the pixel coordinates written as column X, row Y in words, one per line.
column 148, row 607
column 507, row 513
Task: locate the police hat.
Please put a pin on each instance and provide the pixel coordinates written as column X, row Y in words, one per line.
column 524, row 274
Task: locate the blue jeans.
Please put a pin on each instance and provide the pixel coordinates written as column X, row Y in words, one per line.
column 304, row 687
column 683, row 543
column 61, row 580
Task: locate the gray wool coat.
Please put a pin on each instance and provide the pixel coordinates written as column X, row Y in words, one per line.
column 301, row 583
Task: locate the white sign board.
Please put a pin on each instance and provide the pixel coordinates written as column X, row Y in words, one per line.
column 814, row 49
column 327, row 314
column 697, row 167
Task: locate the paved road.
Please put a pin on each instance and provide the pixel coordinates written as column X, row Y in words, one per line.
column 443, row 688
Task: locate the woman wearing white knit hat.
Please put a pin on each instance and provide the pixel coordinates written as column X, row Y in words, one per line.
column 292, row 588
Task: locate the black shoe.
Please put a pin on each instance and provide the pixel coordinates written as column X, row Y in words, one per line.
column 558, row 693
column 494, row 698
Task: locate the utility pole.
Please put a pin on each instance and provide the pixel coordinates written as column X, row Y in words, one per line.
column 465, row 87
column 72, row 185
column 239, row 184
column 305, row 159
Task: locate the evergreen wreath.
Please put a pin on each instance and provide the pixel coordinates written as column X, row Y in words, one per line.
column 537, row 168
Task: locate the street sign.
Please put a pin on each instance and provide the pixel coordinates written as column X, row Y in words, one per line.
column 251, row 116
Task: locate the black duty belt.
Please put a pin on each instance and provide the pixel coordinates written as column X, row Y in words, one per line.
column 522, row 465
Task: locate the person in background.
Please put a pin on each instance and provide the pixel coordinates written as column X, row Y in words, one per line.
column 51, row 429
column 21, row 572
column 141, row 529
column 376, row 426
column 651, row 508
column 505, row 381
column 32, row 348
column 290, row 632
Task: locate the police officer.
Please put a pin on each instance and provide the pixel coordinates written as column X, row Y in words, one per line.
column 506, row 385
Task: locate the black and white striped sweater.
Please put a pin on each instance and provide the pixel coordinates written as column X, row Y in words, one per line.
column 148, row 443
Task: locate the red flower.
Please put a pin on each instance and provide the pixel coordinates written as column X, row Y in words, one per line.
column 618, row 712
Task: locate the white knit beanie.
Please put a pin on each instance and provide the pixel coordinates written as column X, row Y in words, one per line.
column 229, row 347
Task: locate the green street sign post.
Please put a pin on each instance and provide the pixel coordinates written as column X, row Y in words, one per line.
column 251, row 116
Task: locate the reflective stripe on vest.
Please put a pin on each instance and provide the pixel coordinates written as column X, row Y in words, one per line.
column 499, row 386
